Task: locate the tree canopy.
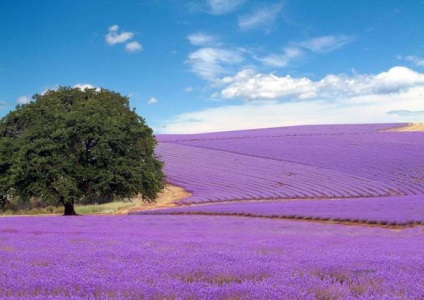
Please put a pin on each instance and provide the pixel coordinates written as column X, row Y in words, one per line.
column 77, row 146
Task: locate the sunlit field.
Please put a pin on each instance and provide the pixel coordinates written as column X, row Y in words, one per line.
column 211, row 149
column 206, row 257
column 314, row 212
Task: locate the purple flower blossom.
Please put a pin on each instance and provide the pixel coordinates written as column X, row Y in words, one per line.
column 200, row 257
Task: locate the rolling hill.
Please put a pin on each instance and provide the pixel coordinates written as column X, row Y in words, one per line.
column 302, row 162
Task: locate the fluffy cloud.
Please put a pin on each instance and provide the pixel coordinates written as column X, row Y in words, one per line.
column 393, row 96
column 133, row 47
column 219, row 7
column 249, row 85
column 152, row 101
column 208, row 63
column 212, row 59
column 23, row 100
column 202, row 39
column 328, row 43
column 114, row 37
column 261, row 18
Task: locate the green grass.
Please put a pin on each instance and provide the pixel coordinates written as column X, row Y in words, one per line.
column 106, row 208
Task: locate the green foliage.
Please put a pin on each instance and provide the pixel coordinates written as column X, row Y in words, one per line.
column 74, row 146
column 3, row 202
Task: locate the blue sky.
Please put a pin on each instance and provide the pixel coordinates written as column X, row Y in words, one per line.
column 215, row 65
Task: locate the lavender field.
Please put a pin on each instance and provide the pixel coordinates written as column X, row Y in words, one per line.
column 329, row 161
column 259, row 224
column 205, row 257
column 392, row 211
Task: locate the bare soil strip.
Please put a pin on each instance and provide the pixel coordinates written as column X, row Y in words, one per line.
column 167, row 198
column 410, row 127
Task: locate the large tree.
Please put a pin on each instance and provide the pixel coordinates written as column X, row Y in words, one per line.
column 77, row 146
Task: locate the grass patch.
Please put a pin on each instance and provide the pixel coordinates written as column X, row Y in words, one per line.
column 105, row 208
column 50, row 210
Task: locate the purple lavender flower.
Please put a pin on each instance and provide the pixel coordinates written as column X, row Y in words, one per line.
column 200, row 257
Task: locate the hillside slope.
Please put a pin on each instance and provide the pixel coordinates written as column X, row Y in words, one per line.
column 301, row 162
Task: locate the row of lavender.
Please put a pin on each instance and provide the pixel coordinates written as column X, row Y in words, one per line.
column 406, row 210
column 192, row 257
column 213, row 175
column 392, row 158
column 338, row 161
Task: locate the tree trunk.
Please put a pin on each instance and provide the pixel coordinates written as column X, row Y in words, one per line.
column 69, row 209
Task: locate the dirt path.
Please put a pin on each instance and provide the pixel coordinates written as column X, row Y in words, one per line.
column 167, row 198
column 410, row 127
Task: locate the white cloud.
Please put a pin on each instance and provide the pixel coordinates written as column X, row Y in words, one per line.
column 23, row 100
column 328, row 43
column 133, row 47
column 114, row 37
column 152, row 101
column 417, row 61
column 257, row 115
column 393, row 96
column 281, row 60
column 113, row 28
column 219, row 7
column 202, row 39
column 261, row 18
column 249, row 85
column 209, row 62
column 189, row 89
